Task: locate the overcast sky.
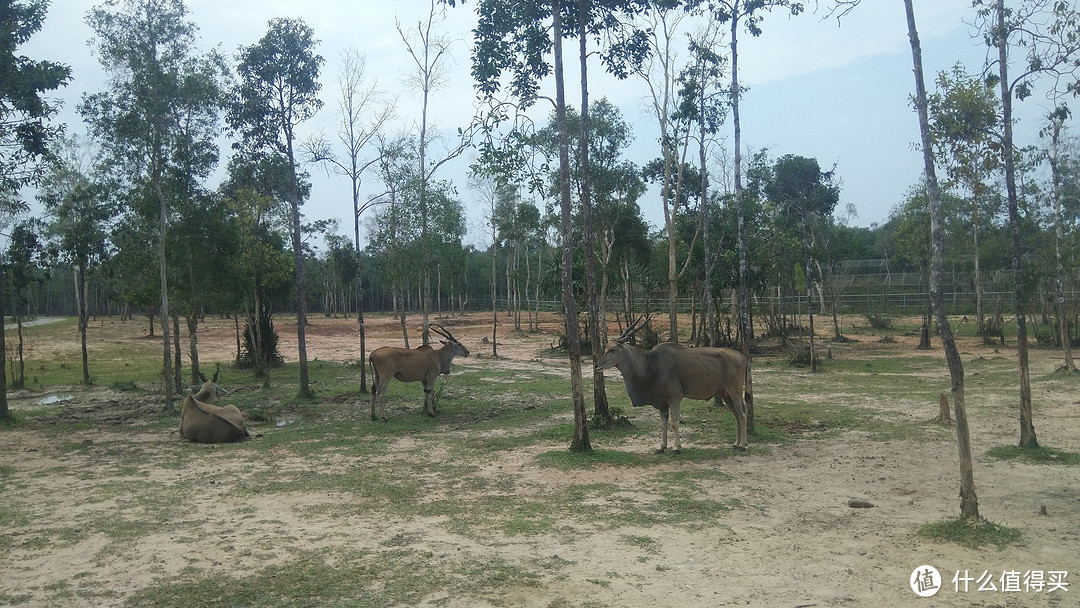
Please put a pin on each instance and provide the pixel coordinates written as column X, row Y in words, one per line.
column 835, row 92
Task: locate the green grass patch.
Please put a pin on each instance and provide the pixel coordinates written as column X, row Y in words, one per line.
column 1039, row 455
column 647, row 544
column 971, row 534
column 566, row 460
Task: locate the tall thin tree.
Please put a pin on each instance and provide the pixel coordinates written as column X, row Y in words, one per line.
column 363, row 114
column 279, row 90
column 1056, row 120
column 1048, row 32
column 429, row 50
column 514, row 37
column 163, row 101
column 750, row 13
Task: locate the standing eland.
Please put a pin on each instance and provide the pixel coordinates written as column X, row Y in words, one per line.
column 423, row 364
column 663, row 376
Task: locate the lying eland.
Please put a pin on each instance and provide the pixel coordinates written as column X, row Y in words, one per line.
column 203, row 422
column 423, row 364
column 663, row 376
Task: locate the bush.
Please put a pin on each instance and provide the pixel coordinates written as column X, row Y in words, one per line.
column 799, row 356
column 881, row 322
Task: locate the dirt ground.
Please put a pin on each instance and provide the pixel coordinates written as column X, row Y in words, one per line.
column 802, row 546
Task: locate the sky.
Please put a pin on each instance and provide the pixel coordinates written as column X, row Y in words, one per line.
column 837, row 92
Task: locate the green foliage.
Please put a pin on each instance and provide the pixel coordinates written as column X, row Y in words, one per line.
column 159, row 118
column 278, row 89
column 25, row 131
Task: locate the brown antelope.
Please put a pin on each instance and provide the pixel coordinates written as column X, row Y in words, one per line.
column 423, row 364
column 203, row 422
column 663, row 376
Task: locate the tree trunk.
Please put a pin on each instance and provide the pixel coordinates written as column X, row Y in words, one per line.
column 580, row 441
column 236, row 322
column 404, row 329
column 425, row 279
column 969, row 504
column 924, row 333
column 80, row 281
column 494, row 292
column 1027, row 427
column 166, row 340
column 601, row 409
column 178, row 362
column 360, row 291
column 363, row 339
column 746, row 330
column 1059, row 237
column 255, row 321
column 837, row 334
column 193, row 344
column 5, row 411
column 20, row 377
column 980, row 316
column 705, row 215
column 300, row 271
column 809, row 296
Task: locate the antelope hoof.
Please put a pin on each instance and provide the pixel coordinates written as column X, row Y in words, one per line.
column 676, row 451
column 659, row 450
column 738, row 448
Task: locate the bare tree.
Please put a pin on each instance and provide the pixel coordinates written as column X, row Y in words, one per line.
column 660, row 75
column 363, row 113
column 430, row 52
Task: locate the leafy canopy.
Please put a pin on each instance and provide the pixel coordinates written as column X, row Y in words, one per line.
column 25, row 132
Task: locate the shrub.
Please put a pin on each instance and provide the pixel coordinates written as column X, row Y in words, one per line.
column 879, row 321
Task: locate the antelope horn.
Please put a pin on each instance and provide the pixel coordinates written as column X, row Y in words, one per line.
column 442, row 331
column 631, row 329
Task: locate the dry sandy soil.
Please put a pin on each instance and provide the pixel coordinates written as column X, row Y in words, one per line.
column 798, row 543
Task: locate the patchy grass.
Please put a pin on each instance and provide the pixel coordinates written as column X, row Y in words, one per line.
column 314, row 579
column 1039, row 455
column 491, row 470
column 971, row 534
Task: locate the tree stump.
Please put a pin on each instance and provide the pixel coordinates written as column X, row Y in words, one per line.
column 943, row 409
